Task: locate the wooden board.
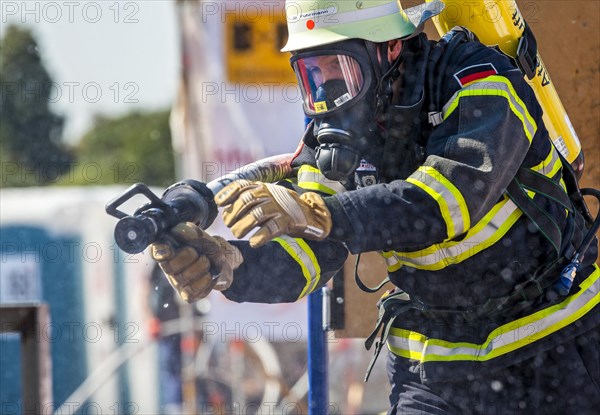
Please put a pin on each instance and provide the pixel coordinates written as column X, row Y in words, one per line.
column 360, row 310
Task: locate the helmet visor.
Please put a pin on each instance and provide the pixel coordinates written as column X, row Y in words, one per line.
column 327, row 82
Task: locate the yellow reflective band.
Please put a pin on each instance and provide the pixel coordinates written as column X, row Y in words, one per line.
column 551, row 165
column 453, row 206
column 410, row 344
column 495, row 86
column 310, row 178
column 439, row 198
column 299, row 250
column 563, row 184
column 504, row 339
column 315, row 265
column 545, row 162
column 316, row 187
column 489, row 230
column 555, row 168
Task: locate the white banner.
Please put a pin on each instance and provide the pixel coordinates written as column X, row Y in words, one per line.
column 218, row 124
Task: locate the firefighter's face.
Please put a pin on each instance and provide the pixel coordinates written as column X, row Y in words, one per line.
column 325, row 68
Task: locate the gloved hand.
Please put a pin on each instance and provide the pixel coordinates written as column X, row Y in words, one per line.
column 195, row 262
column 275, row 210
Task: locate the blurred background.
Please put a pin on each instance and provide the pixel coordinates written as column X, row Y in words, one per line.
column 99, row 95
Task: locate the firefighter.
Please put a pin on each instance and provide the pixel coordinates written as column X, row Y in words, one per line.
column 435, row 155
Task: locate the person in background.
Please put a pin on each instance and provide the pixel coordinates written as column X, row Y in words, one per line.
column 163, row 306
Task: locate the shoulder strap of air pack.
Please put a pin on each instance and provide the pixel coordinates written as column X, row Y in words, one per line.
column 528, row 180
column 570, row 198
column 438, row 63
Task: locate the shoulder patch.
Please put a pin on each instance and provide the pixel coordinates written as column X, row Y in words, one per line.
column 473, row 73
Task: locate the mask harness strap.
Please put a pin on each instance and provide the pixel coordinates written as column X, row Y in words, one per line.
column 386, row 73
column 403, row 120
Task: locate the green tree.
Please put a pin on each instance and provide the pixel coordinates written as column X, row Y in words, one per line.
column 128, row 149
column 30, row 133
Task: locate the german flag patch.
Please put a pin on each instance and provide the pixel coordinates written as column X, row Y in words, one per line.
column 474, row 73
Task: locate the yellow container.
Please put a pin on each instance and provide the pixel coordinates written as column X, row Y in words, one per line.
column 499, row 22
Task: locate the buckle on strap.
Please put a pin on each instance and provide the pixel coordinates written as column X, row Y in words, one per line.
column 435, row 118
column 527, row 59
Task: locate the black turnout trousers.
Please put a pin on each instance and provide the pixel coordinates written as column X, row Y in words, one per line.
column 561, row 381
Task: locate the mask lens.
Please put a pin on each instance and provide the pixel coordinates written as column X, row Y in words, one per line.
column 327, row 82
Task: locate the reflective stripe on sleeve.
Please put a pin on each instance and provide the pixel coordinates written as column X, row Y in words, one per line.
column 495, row 86
column 487, row 232
column 310, row 178
column 299, row 250
column 450, row 200
column 504, row 339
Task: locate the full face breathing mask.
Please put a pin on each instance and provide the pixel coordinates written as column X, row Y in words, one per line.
column 339, row 88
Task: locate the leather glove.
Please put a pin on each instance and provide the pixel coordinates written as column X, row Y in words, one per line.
column 275, row 210
column 195, row 262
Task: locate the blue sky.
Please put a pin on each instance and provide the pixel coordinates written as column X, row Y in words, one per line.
column 106, row 57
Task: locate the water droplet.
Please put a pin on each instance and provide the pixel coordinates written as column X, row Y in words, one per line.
column 165, row 305
column 496, row 385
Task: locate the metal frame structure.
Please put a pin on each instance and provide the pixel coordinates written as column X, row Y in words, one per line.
column 31, row 321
